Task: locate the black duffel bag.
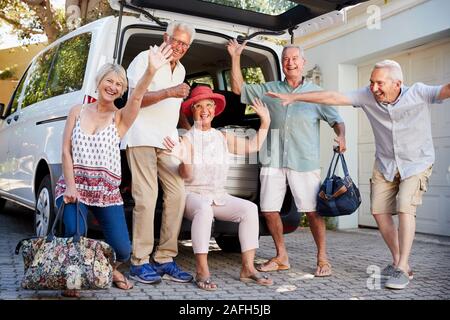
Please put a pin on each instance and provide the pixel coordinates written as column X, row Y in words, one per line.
column 338, row 196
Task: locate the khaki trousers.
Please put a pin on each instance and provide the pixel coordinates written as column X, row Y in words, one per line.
column 402, row 196
column 147, row 164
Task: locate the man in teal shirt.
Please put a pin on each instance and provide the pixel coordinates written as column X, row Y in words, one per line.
column 291, row 154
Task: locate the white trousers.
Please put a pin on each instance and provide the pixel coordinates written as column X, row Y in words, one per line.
column 201, row 212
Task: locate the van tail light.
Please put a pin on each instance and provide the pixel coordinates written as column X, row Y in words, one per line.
column 289, row 229
column 89, row 99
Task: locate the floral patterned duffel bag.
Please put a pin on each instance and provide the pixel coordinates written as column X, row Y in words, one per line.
column 57, row 263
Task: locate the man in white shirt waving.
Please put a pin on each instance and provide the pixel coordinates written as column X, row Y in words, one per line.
column 148, row 162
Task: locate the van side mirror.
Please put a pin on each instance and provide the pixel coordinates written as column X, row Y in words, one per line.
column 2, row 110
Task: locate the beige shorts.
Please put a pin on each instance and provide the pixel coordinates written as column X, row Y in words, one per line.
column 304, row 187
column 398, row 196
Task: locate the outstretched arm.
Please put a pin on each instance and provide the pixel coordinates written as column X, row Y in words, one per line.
column 235, row 49
column 445, row 92
column 243, row 146
column 331, row 98
column 157, row 57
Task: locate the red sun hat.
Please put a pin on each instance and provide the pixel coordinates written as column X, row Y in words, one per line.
column 201, row 93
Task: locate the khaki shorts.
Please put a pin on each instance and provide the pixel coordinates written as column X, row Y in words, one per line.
column 398, row 196
column 304, row 187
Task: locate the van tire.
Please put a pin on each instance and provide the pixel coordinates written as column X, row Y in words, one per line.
column 229, row 243
column 44, row 211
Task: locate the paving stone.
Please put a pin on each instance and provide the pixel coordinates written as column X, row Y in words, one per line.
column 351, row 253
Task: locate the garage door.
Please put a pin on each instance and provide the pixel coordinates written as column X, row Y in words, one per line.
column 429, row 64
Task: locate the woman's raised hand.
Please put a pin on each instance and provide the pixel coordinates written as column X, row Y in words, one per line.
column 261, row 110
column 182, row 150
column 159, row 56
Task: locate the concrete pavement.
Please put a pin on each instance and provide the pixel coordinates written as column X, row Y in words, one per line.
column 355, row 256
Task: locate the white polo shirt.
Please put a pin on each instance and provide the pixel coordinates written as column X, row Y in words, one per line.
column 159, row 120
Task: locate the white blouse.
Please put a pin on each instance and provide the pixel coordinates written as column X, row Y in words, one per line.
column 210, row 165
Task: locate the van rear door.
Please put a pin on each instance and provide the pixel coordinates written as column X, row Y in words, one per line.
column 246, row 16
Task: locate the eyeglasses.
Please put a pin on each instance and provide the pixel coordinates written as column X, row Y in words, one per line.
column 208, row 105
column 177, row 43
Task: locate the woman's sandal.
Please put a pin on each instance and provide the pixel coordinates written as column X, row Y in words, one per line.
column 123, row 284
column 205, row 284
column 321, row 265
column 257, row 278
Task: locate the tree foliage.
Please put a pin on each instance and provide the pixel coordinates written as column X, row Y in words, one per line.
column 30, row 18
column 272, row 7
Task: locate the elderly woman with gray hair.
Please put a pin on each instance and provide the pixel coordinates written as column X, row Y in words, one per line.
column 91, row 157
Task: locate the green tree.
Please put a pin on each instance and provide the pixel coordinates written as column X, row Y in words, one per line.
column 81, row 12
column 272, row 7
column 32, row 17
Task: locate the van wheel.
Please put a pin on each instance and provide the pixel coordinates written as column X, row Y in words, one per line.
column 229, row 243
column 44, row 212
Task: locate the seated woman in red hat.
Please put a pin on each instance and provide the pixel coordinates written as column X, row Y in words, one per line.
column 204, row 152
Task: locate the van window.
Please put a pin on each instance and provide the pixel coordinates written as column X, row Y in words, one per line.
column 251, row 75
column 17, row 92
column 69, row 67
column 203, row 78
column 37, row 78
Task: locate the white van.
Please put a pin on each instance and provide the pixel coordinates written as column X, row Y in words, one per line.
column 63, row 74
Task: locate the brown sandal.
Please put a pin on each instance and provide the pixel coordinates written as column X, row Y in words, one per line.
column 320, row 265
column 272, row 265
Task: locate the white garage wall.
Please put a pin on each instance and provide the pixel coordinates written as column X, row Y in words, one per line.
column 339, row 58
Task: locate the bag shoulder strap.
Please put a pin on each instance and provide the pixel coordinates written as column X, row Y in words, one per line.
column 344, row 165
column 329, row 174
column 59, row 216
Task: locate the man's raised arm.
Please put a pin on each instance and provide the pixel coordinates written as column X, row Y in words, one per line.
column 235, row 50
column 331, row 98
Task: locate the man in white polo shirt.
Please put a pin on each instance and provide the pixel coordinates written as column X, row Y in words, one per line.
column 400, row 120
column 148, row 162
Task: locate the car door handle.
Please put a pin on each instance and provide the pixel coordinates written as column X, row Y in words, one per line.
column 16, row 117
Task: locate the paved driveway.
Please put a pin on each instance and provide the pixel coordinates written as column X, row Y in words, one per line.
column 354, row 255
